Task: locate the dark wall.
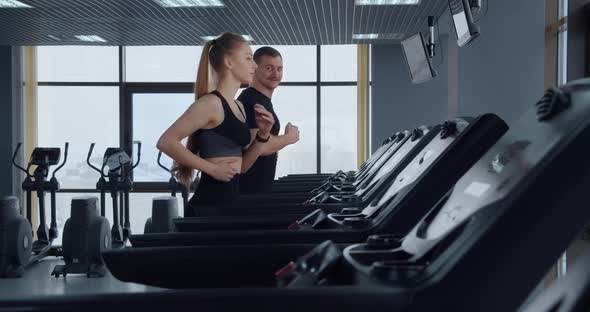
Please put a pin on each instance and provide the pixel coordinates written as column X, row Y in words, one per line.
column 502, row 72
column 397, row 104
column 6, row 105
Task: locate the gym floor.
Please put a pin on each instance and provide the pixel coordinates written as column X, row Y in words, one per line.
column 37, row 282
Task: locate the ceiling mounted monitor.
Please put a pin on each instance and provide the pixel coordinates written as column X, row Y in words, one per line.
column 417, row 59
column 465, row 29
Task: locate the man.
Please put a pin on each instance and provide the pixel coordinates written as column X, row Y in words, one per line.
column 266, row 79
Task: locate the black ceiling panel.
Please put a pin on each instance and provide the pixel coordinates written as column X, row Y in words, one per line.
column 144, row 22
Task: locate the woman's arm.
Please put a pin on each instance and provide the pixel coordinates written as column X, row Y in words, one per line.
column 204, row 113
column 251, row 154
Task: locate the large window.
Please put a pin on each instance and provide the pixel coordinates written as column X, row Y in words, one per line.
column 299, row 100
column 77, row 64
column 161, row 64
column 152, row 114
column 339, row 63
column 562, row 44
column 114, row 95
column 79, row 115
column 297, row 104
column 338, row 130
column 298, row 63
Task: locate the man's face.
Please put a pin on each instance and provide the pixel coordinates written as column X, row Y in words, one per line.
column 270, row 71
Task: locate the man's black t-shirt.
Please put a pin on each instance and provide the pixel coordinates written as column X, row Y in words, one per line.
column 260, row 176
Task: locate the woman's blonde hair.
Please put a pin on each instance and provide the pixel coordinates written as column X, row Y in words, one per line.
column 214, row 53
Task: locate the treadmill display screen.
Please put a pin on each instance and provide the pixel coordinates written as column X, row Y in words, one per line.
column 482, row 186
column 476, row 189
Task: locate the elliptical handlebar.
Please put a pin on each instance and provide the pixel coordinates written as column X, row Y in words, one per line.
column 65, row 160
column 164, row 167
column 26, row 171
column 100, row 171
column 173, row 182
column 138, row 154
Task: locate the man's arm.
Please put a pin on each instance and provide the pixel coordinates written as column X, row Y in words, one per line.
column 275, row 144
column 278, row 142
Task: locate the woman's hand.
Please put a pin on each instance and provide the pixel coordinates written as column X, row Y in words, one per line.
column 264, row 121
column 224, row 171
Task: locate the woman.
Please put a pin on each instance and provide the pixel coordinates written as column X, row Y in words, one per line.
column 219, row 142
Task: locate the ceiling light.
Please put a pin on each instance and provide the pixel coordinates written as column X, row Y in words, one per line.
column 386, row 2
column 391, row 36
column 394, row 36
column 54, row 37
column 209, row 38
column 13, row 4
column 190, row 3
column 92, row 38
column 365, row 36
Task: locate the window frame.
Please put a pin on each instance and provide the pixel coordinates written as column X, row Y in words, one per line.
column 127, row 89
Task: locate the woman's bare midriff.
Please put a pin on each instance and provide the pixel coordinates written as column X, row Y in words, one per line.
column 236, row 162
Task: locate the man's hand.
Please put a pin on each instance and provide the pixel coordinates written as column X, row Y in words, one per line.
column 264, row 120
column 292, row 133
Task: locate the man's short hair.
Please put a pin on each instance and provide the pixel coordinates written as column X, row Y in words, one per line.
column 268, row 51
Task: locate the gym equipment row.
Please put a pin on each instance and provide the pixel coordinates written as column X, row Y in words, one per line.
column 20, row 251
column 425, row 169
column 471, row 251
column 87, row 232
column 523, row 197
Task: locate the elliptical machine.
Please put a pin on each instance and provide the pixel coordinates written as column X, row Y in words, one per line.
column 116, row 181
column 86, row 235
column 165, row 208
column 20, row 250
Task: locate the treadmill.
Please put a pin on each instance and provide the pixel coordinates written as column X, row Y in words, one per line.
column 301, row 183
column 430, row 173
column 362, row 192
column 471, row 252
column 570, row 294
column 354, row 190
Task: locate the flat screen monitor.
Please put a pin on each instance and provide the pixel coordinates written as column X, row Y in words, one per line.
column 465, row 29
column 417, row 59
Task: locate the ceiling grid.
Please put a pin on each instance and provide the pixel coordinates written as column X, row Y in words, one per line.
column 276, row 22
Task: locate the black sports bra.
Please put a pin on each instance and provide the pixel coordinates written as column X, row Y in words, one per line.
column 228, row 139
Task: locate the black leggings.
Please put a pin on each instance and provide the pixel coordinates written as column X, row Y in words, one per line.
column 213, row 197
